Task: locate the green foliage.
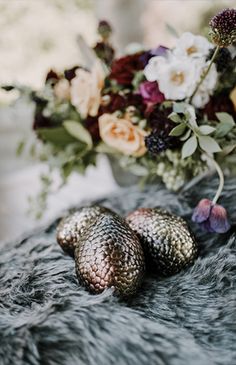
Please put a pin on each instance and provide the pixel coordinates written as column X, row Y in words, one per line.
column 226, row 124
column 76, row 130
column 57, row 136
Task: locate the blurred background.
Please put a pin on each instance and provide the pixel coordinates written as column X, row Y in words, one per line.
column 37, row 35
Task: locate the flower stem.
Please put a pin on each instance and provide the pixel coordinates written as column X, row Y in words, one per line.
column 205, row 73
column 221, row 178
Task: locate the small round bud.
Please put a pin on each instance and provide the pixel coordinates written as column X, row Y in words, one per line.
column 104, row 29
column 105, row 100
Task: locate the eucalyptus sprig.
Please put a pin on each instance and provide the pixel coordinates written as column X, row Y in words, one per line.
column 190, row 132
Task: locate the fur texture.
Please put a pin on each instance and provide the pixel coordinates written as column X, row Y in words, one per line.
column 46, row 318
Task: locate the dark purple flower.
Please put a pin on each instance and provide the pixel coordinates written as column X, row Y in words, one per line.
column 159, row 51
column 105, row 52
column 104, row 29
column 150, row 93
column 212, row 217
column 223, row 27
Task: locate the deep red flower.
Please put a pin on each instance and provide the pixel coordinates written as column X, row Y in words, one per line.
column 121, row 102
column 52, row 77
column 218, row 103
column 91, row 123
column 124, row 69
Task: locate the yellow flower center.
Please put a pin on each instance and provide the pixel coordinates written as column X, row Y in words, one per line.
column 191, row 50
column 177, row 78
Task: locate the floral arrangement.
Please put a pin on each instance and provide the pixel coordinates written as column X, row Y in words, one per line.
column 166, row 113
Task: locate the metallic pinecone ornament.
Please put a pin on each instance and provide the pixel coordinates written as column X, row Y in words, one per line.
column 73, row 226
column 109, row 255
column 168, row 244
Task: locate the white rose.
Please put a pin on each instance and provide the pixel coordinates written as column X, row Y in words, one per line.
column 86, row 90
column 152, row 69
column 191, row 45
column 176, row 77
column 122, row 135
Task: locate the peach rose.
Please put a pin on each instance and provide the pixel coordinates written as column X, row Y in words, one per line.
column 233, row 97
column 122, row 135
column 86, row 90
column 62, row 89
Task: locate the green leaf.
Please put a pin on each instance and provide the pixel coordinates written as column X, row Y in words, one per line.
column 104, row 148
column 178, row 130
column 57, row 136
column 206, row 129
column 138, row 78
column 186, row 135
column 179, row 107
column 225, row 118
column 189, row 147
column 20, row 148
column 78, row 131
column 227, row 150
column 226, row 124
column 138, row 170
column 172, row 30
column 208, row 144
column 175, row 117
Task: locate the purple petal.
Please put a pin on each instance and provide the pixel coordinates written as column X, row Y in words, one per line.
column 159, row 51
column 206, row 226
column 202, row 211
column 218, row 219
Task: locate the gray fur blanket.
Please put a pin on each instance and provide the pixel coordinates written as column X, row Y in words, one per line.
column 188, row 319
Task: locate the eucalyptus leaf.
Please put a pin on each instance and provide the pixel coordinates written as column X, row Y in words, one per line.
column 225, row 118
column 227, row 150
column 225, row 126
column 189, row 147
column 206, row 129
column 179, row 107
column 78, row 131
column 175, row 118
column 172, row 30
column 138, row 170
column 104, row 148
column 186, row 135
column 208, row 144
column 57, row 136
column 178, row 130
column 20, row 148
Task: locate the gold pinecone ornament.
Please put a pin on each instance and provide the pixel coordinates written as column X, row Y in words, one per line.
column 168, row 244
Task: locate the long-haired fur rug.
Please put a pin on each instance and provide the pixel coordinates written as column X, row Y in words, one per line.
column 46, row 318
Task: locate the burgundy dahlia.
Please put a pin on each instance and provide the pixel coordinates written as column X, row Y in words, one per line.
column 91, row 124
column 223, row 27
column 117, row 102
column 218, row 103
column 124, row 69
